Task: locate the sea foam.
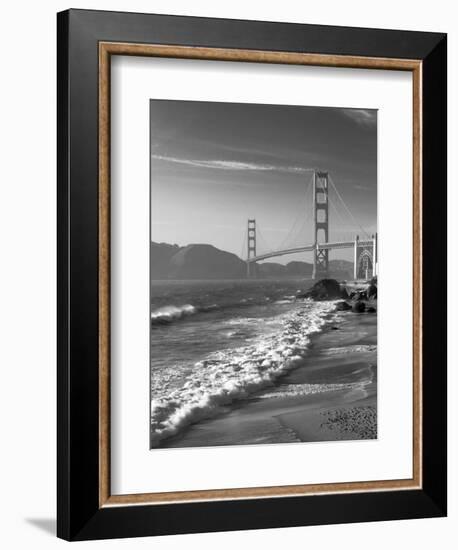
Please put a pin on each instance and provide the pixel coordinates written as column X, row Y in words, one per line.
column 233, row 374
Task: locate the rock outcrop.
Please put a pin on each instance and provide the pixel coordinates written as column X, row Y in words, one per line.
column 343, row 306
column 357, row 300
column 372, row 289
column 358, row 306
column 325, row 289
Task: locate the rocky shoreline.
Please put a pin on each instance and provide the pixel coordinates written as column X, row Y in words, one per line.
column 357, row 296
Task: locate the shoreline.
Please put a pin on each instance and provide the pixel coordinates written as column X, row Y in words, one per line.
column 331, row 396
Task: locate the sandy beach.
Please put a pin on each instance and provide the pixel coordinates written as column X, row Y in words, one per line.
column 332, row 395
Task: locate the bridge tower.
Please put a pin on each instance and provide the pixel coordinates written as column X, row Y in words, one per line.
column 251, row 237
column 321, row 223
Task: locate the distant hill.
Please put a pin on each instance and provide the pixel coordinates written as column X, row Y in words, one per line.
column 338, row 269
column 271, row 269
column 299, row 269
column 160, row 256
column 204, row 261
column 291, row 269
column 195, row 261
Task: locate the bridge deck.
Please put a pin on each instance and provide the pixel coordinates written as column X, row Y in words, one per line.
column 309, row 248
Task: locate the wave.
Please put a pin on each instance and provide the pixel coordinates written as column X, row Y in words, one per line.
column 299, row 390
column 168, row 314
column 229, row 375
column 357, row 348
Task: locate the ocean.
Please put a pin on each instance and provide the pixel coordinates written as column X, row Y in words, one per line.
column 214, row 343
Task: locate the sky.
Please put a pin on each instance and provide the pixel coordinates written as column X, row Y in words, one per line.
column 214, row 165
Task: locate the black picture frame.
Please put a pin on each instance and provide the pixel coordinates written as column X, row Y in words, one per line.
column 80, row 516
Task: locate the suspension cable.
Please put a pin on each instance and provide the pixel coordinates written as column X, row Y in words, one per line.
column 341, row 220
column 290, row 233
column 347, row 209
column 260, row 240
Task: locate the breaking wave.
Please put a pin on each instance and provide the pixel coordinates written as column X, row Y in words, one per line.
column 167, row 314
column 170, row 313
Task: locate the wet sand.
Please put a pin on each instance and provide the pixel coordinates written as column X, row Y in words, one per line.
column 331, row 396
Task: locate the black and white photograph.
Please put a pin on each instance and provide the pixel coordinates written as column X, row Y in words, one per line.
column 263, row 268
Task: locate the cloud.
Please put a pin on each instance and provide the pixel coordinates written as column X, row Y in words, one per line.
column 363, row 117
column 360, row 187
column 232, row 165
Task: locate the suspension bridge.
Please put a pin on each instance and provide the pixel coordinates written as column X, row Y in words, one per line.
column 364, row 248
